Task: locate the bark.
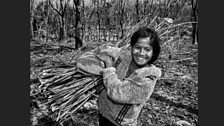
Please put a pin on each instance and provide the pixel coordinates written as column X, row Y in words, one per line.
column 62, row 29
column 137, row 10
column 47, row 20
column 31, row 19
column 61, row 12
column 78, row 42
column 195, row 19
column 84, row 20
column 98, row 20
column 121, row 13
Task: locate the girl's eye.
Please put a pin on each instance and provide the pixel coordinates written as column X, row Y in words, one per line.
column 136, row 47
column 148, row 49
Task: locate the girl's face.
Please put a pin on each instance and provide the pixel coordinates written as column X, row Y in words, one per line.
column 142, row 51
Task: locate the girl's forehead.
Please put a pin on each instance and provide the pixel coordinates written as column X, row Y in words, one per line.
column 144, row 41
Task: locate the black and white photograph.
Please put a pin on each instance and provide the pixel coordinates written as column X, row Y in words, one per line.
column 113, row 62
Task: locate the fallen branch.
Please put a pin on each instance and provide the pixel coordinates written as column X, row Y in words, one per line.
column 52, row 45
column 181, row 60
column 176, row 25
column 182, row 53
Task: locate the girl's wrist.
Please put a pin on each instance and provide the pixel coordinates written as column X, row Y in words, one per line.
column 109, row 70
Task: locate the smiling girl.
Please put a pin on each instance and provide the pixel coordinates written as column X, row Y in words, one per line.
column 130, row 80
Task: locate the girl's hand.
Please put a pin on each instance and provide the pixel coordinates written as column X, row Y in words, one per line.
column 107, row 60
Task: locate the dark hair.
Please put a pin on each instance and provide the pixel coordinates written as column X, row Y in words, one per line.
column 154, row 41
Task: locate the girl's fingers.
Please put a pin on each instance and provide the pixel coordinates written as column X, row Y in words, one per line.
column 107, row 60
column 102, row 64
column 103, row 57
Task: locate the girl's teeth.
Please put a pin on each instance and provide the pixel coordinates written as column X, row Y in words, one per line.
column 140, row 58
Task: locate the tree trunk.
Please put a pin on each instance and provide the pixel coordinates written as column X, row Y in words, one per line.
column 137, row 11
column 84, row 20
column 78, row 42
column 47, row 20
column 195, row 25
column 98, row 20
column 31, row 26
column 61, row 12
column 31, row 19
column 62, row 29
column 121, row 13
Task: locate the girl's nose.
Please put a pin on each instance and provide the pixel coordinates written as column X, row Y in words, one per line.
column 142, row 52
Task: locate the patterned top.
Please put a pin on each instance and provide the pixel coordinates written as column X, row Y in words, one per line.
column 122, row 99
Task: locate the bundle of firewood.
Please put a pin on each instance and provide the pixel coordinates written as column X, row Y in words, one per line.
column 68, row 89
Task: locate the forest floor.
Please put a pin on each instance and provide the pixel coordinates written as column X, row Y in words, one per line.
column 174, row 101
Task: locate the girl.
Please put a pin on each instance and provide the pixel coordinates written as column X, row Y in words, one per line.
column 129, row 82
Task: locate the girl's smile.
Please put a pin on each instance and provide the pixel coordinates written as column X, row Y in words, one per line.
column 142, row 51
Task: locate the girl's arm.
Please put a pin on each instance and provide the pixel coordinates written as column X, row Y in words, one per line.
column 134, row 90
column 89, row 61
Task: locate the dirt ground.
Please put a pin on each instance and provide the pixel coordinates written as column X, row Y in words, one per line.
column 173, row 103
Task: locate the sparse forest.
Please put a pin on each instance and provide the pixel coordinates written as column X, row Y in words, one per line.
column 61, row 30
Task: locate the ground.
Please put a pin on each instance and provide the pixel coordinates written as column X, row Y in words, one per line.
column 174, row 100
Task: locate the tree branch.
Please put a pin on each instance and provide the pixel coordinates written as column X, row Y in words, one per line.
column 54, row 8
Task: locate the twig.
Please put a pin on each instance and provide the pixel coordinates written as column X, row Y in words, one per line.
column 181, row 60
column 168, row 41
column 178, row 25
column 153, row 19
column 182, row 53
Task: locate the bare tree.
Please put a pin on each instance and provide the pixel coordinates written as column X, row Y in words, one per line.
column 78, row 41
column 31, row 18
column 84, row 19
column 98, row 18
column 194, row 4
column 121, row 19
column 60, row 8
column 47, row 20
column 137, row 10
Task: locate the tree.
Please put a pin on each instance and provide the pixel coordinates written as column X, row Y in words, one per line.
column 39, row 17
column 121, row 19
column 98, row 17
column 84, row 18
column 31, row 18
column 60, row 8
column 194, row 4
column 78, row 42
column 137, row 10
column 47, row 20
